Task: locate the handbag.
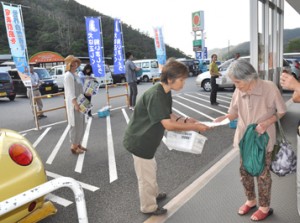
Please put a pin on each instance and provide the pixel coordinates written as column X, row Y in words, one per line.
column 284, row 159
column 253, row 150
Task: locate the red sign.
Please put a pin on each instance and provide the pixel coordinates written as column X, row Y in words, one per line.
column 46, row 57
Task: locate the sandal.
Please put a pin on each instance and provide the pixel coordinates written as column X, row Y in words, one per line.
column 245, row 209
column 259, row 215
column 76, row 150
column 82, row 148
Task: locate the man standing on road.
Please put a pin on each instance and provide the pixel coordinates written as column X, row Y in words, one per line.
column 131, row 68
column 214, row 74
column 35, row 82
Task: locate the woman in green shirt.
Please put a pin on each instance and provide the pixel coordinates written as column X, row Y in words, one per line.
column 152, row 115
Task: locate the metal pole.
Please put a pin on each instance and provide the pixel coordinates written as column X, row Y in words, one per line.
column 46, row 188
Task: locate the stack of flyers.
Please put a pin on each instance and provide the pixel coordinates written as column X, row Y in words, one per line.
column 91, row 87
column 84, row 105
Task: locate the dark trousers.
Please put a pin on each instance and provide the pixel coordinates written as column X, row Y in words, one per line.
column 214, row 89
column 89, row 98
column 133, row 93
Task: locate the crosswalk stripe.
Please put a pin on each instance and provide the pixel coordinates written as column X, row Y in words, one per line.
column 58, row 145
column 39, row 139
column 111, row 153
column 80, row 159
column 83, row 185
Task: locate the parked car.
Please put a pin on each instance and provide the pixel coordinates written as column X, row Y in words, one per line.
column 6, row 86
column 203, row 80
column 47, row 86
column 57, row 73
column 117, row 78
column 21, row 170
column 295, row 67
column 149, row 69
column 193, row 66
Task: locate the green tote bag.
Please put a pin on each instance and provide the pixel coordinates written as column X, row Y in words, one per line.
column 253, row 150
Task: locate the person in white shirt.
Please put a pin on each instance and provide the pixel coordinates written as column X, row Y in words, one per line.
column 35, row 82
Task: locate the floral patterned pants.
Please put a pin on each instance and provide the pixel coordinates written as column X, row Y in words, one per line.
column 264, row 183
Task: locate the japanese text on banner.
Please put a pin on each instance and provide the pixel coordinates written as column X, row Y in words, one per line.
column 94, row 39
column 119, row 67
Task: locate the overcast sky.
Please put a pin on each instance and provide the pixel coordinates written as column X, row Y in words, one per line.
column 225, row 22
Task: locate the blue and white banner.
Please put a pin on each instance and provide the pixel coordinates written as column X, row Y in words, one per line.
column 17, row 41
column 160, row 47
column 95, row 45
column 119, row 64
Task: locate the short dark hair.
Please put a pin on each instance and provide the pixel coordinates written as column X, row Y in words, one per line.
column 173, row 70
column 127, row 55
column 213, row 55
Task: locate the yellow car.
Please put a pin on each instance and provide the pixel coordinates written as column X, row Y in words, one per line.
column 20, row 170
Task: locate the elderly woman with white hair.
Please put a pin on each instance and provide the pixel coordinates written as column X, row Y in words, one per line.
column 73, row 88
column 255, row 101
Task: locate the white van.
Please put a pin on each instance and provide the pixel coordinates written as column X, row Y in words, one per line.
column 57, row 73
column 149, row 69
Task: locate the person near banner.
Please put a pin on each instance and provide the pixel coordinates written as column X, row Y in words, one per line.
column 35, row 82
column 85, row 74
column 214, row 74
column 254, row 101
column 73, row 88
column 152, row 115
column 288, row 81
column 130, row 69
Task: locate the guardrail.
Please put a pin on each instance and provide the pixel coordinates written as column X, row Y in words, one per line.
column 119, row 95
column 43, row 189
column 36, row 113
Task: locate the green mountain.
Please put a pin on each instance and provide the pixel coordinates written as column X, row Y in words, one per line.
column 59, row 26
column 244, row 48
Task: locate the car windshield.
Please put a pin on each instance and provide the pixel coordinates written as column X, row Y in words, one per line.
column 43, row 73
column 4, row 77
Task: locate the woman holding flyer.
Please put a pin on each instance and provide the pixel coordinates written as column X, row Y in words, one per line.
column 88, row 74
column 73, row 91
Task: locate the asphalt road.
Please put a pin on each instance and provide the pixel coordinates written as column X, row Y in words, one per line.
column 106, row 170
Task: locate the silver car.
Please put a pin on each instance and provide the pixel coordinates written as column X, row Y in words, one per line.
column 203, row 79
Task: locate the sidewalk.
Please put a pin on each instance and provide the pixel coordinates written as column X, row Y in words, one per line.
column 216, row 196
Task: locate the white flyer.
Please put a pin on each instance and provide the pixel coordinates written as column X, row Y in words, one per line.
column 214, row 124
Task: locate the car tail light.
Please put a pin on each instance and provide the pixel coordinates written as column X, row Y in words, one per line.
column 20, row 154
column 297, row 65
column 31, row 206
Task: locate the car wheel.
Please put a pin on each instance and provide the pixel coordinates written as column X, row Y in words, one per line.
column 12, row 98
column 123, row 80
column 146, row 79
column 191, row 73
column 206, row 85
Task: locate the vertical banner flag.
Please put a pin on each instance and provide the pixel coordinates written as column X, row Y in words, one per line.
column 17, row 41
column 160, row 47
column 95, row 45
column 119, row 67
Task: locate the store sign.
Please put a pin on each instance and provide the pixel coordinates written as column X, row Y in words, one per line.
column 198, row 21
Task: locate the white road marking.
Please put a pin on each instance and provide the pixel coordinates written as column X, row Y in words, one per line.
column 58, row 200
column 39, row 139
column 84, row 185
column 58, row 145
column 205, row 115
column 44, row 126
column 220, row 105
column 80, row 159
column 125, row 115
column 113, row 175
column 208, row 107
